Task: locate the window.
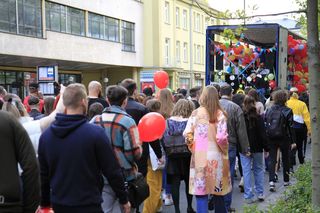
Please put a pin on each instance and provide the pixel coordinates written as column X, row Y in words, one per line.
column 96, row 25
column 202, row 55
column 66, row 19
column 185, row 52
column 185, row 19
column 167, row 12
column 167, row 51
column 198, row 54
column 184, row 83
column 197, row 23
column 112, row 29
column 178, row 51
column 28, row 13
column 177, row 17
column 127, row 36
column 201, row 24
column 198, row 82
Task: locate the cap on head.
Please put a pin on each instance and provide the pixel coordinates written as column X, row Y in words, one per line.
column 294, row 89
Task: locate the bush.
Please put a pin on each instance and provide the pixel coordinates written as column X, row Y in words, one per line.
column 297, row 198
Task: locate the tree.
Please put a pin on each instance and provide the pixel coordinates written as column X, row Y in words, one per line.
column 314, row 88
column 302, row 18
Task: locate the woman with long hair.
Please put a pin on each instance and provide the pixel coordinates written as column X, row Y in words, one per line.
column 207, row 137
column 259, row 105
column 177, row 151
column 258, row 144
column 166, row 100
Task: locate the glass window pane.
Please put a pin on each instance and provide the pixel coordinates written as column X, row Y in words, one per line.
column 2, row 78
column 112, row 29
column 127, row 36
column 8, row 16
column 96, row 23
column 10, row 77
column 29, row 14
column 75, row 21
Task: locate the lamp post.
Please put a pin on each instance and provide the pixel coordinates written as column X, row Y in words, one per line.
column 244, row 10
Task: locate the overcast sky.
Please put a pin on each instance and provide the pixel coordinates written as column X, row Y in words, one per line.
column 264, row 6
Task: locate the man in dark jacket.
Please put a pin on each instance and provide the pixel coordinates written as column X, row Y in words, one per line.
column 16, row 147
column 73, row 155
column 34, row 107
column 237, row 133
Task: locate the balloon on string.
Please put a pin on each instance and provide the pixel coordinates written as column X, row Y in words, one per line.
column 229, row 69
column 271, row 76
column 272, row 84
column 240, row 86
column 232, row 84
column 45, row 210
column 161, row 79
column 296, row 78
column 232, row 77
column 249, row 79
column 301, row 88
column 151, row 127
column 298, row 67
column 265, row 79
column 227, row 44
column 300, row 47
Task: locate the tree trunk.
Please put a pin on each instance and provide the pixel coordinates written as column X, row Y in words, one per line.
column 314, row 88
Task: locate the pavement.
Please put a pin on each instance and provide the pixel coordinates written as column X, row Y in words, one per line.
column 238, row 200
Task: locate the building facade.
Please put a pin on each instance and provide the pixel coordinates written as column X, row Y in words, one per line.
column 175, row 40
column 88, row 40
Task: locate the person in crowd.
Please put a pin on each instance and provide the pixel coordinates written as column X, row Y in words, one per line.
column 269, row 103
column 262, row 70
column 71, row 148
column 166, row 100
column 140, row 98
column 177, row 97
column 237, row 133
column 148, row 91
column 34, row 128
column 148, row 98
column 48, row 105
column 259, row 106
column 179, row 156
column 304, row 96
column 34, row 106
column 207, row 138
column 154, row 178
column 123, row 134
column 258, row 144
column 94, row 110
column 280, row 134
column 34, row 91
column 301, row 118
column 3, row 93
column 195, row 95
column 19, row 192
column 183, row 92
column 95, row 94
column 238, row 99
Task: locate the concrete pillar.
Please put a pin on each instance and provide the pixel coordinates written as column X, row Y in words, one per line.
column 86, row 21
column 43, row 19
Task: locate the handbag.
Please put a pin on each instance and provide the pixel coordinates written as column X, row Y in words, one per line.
column 138, row 190
column 155, row 164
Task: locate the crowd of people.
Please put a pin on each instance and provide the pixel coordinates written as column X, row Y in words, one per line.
column 79, row 151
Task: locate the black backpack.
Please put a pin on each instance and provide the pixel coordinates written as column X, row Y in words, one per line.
column 275, row 123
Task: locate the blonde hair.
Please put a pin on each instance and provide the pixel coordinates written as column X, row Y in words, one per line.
column 73, row 95
column 13, row 105
column 209, row 99
column 183, row 108
column 165, row 98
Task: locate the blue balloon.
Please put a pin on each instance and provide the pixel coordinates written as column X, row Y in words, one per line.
column 229, row 69
column 300, row 47
column 291, row 51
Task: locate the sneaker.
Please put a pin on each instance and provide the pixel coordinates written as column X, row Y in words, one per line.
column 168, row 200
column 287, row 183
column 250, row 200
column 261, row 197
column 272, row 186
column 241, row 185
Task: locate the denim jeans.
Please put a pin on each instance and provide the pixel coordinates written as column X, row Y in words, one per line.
column 202, row 204
column 232, row 160
column 256, row 159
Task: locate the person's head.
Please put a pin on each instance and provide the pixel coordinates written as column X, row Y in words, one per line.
column 148, row 98
column 117, row 95
column 34, row 102
column 140, row 97
column 294, row 92
column 48, row 105
column 148, row 91
column 246, row 90
column 57, row 88
column 209, row 99
column 183, row 108
column 153, row 105
column 3, row 92
column 130, row 85
column 95, row 89
column 177, row 97
column 226, row 90
column 165, row 97
column 280, row 97
column 249, row 108
column 273, row 92
column 238, row 99
column 75, row 99
column 254, row 94
column 12, row 104
column 95, row 109
column 195, row 92
column 34, row 88
column 236, row 62
column 183, row 92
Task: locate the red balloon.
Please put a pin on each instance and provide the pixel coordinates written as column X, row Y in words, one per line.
column 298, row 67
column 161, row 79
column 45, row 210
column 272, row 84
column 296, row 78
column 301, row 88
column 151, row 127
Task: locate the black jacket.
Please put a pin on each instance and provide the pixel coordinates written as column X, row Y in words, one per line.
column 21, row 193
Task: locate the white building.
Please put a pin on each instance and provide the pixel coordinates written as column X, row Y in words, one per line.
column 86, row 39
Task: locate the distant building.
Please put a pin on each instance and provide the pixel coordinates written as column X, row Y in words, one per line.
column 87, row 39
column 290, row 24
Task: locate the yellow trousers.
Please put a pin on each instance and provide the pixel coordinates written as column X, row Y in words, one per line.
column 154, row 180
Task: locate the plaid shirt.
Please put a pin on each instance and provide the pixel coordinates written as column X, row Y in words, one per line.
column 122, row 131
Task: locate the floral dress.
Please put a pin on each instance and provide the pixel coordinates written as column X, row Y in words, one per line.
column 208, row 142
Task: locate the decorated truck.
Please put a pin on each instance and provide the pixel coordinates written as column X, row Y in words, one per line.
column 260, row 56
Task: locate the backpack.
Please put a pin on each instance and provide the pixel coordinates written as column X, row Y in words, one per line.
column 275, row 123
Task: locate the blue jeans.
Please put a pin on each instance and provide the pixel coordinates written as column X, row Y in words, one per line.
column 232, row 160
column 202, row 204
column 256, row 159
